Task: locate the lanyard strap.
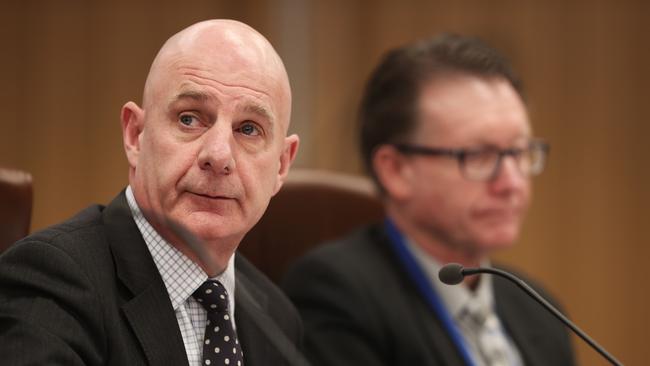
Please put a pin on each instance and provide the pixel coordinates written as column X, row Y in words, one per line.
column 425, row 288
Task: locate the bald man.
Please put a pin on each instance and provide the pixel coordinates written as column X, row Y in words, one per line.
column 153, row 278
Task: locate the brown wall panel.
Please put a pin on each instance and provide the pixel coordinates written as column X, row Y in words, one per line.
column 68, row 66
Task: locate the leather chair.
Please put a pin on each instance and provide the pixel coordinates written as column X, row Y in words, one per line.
column 313, row 206
column 16, row 198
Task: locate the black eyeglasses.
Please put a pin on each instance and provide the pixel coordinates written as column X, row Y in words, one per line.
column 484, row 164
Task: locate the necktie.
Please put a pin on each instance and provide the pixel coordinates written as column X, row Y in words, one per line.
column 220, row 344
column 490, row 340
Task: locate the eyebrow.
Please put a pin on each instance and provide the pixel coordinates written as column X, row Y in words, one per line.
column 259, row 110
column 254, row 108
column 198, row 96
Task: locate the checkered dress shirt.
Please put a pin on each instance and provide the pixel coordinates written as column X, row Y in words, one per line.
column 182, row 277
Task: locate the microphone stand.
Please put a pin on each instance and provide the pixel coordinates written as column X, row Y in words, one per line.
column 529, row 290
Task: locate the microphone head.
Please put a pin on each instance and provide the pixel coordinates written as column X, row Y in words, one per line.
column 451, row 274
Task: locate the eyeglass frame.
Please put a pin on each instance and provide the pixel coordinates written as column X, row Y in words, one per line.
column 460, row 155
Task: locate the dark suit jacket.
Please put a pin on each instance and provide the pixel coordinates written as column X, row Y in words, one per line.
column 360, row 307
column 87, row 292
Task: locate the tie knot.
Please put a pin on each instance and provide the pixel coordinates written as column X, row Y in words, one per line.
column 477, row 313
column 212, row 296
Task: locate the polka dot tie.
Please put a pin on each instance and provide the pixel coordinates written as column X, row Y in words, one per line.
column 220, row 344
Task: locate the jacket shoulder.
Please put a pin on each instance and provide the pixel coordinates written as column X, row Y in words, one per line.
column 77, row 228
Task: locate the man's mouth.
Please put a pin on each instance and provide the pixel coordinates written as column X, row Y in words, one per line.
column 212, row 196
column 499, row 213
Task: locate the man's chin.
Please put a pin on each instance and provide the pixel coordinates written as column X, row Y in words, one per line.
column 203, row 225
column 213, row 228
column 499, row 240
column 212, row 232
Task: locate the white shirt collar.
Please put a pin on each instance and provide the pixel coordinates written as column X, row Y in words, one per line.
column 456, row 298
column 181, row 275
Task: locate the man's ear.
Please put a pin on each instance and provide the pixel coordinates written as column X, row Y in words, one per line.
column 132, row 118
column 392, row 172
column 286, row 159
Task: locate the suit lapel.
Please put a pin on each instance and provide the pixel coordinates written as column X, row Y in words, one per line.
column 148, row 310
column 517, row 321
column 254, row 344
column 443, row 348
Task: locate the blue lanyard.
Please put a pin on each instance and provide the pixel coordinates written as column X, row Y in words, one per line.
column 426, row 289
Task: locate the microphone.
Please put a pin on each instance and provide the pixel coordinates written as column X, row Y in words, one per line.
column 454, row 273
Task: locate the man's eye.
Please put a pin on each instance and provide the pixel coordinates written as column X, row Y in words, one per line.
column 481, row 155
column 187, row 119
column 249, row 129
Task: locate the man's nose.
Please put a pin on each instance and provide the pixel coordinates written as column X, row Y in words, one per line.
column 216, row 150
column 509, row 176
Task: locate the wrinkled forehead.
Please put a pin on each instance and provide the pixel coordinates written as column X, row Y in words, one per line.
column 231, row 57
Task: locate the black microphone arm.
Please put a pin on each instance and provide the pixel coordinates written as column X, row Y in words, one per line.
column 453, row 274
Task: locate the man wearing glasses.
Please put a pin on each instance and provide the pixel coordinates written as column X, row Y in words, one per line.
column 446, row 136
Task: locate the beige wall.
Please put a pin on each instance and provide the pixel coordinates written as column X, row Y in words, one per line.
column 68, row 66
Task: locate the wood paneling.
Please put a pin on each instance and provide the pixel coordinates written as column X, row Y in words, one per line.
column 68, row 66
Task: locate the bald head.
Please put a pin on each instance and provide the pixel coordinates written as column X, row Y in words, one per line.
column 227, row 51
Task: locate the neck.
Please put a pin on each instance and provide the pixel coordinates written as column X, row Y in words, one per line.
column 211, row 263
column 435, row 246
column 212, row 258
